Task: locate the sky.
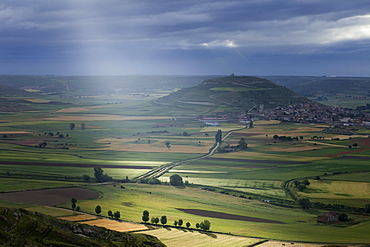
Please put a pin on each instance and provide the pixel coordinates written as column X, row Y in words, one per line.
column 185, row 37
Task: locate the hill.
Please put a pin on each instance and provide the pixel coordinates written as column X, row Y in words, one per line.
column 335, row 91
column 232, row 94
column 19, row 227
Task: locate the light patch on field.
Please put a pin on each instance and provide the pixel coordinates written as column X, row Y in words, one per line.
column 327, row 144
column 345, row 137
column 267, row 157
column 38, row 100
column 14, row 132
column 289, row 244
column 157, row 163
column 116, row 225
column 338, row 189
column 223, row 127
column 103, row 117
column 31, row 90
column 184, row 238
column 156, row 146
column 74, row 109
column 294, row 148
column 266, row 122
column 193, row 171
column 79, row 217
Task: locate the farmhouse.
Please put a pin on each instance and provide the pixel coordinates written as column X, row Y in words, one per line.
column 212, row 124
column 328, row 217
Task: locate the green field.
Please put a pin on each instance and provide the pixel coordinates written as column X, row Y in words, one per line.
column 127, row 138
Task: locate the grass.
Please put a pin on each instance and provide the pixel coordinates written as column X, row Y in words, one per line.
column 9, row 184
column 299, row 225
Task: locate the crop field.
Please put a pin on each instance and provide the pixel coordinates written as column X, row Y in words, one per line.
column 184, row 237
column 244, row 193
column 293, row 224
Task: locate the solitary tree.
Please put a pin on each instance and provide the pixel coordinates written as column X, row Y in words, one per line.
column 82, row 126
column 100, row 177
column 155, row 220
column 180, row 222
column 242, row 144
column 187, row 224
column 168, row 144
column 98, row 209
column 367, row 208
column 176, row 180
column 73, row 201
column 305, row 203
column 175, row 223
column 218, row 136
column 163, row 220
column 117, row 215
column 205, row 225
column 72, row 126
column 110, row 213
column 145, row 216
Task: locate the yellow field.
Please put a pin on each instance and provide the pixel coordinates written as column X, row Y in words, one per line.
column 173, row 237
column 38, row 100
column 223, row 127
column 338, row 190
column 14, row 132
column 287, row 244
column 265, row 122
column 79, row 217
column 116, row 225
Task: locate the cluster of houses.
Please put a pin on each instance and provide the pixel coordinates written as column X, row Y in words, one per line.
column 308, row 112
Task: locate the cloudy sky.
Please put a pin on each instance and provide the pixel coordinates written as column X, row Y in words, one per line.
column 180, row 37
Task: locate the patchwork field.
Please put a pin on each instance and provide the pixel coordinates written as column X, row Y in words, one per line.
column 249, row 193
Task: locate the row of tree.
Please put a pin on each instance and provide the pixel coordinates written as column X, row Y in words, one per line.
column 205, row 225
column 73, row 125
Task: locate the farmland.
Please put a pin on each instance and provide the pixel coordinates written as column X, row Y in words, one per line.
column 133, row 135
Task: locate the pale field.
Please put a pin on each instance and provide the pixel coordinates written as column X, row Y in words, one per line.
column 265, row 122
column 291, row 244
column 79, row 217
column 194, row 171
column 295, row 148
column 337, row 189
column 223, row 126
column 156, row 146
column 266, row 156
column 38, row 100
column 327, row 144
column 173, row 237
column 116, row 225
column 31, row 90
column 103, row 117
column 14, row 132
column 81, row 109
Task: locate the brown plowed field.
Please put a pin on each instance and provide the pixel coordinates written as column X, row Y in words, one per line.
column 74, row 165
column 226, row 216
column 49, row 197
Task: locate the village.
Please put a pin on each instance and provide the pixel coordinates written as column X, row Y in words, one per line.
column 336, row 117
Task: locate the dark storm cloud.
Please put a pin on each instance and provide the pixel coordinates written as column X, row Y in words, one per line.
column 182, row 37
